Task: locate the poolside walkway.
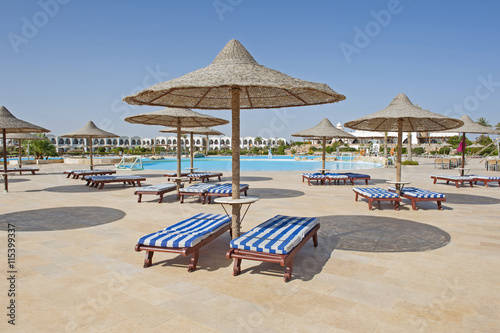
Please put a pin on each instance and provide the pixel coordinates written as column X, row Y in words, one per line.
column 373, row 271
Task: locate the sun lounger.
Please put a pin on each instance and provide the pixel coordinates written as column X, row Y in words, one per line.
column 159, row 189
column 204, row 176
column 356, row 176
column 417, row 195
column 224, row 190
column 21, row 170
column 455, row 179
column 199, row 190
column 173, row 174
column 277, row 241
column 336, row 178
column 318, row 177
column 373, row 194
column 82, row 173
column 99, row 181
column 185, row 237
column 486, row 179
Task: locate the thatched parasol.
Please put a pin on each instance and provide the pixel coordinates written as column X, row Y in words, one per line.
column 234, row 80
column 324, row 130
column 10, row 124
column 402, row 116
column 470, row 126
column 178, row 117
column 194, row 130
column 20, row 137
column 89, row 132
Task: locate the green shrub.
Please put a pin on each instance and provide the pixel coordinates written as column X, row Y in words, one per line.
column 409, row 163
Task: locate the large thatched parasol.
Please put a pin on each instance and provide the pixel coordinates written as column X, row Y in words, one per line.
column 470, row 126
column 194, row 130
column 178, row 117
column 20, row 137
column 324, row 130
column 402, row 116
column 89, row 132
column 10, row 124
column 234, row 80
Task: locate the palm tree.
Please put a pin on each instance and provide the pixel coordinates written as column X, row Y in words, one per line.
column 42, row 148
column 497, row 126
column 483, row 122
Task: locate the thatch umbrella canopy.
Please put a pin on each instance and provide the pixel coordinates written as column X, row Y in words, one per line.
column 234, row 80
column 402, row 116
column 470, row 126
column 10, row 124
column 178, row 117
column 194, row 130
column 89, row 132
column 20, row 137
column 324, row 130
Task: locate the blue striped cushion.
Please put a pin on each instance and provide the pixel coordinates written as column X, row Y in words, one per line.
column 316, row 175
column 158, row 187
column 188, row 232
column 225, row 188
column 355, row 175
column 418, row 193
column 375, row 192
column 198, row 174
column 198, row 188
column 97, row 178
column 454, row 177
column 278, row 235
column 486, row 177
column 336, row 176
column 174, row 174
column 90, row 171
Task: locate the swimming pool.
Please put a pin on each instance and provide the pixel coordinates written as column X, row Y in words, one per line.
column 255, row 163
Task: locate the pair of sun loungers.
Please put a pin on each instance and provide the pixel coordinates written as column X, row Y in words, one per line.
column 376, row 194
column 471, row 179
column 335, row 177
column 75, row 174
column 277, row 240
column 21, row 170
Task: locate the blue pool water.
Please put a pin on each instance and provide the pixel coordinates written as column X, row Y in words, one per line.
column 255, row 163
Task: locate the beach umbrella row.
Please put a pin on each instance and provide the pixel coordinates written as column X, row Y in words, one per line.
column 10, row 124
column 235, row 81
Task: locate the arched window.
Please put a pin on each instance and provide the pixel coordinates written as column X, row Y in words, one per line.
column 126, row 142
column 61, row 141
column 162, row 141
column 81, row 142
column 169, row 142
column 121, row 142
column 108, row 141
column 53, row 140
column 75, row 141
column 174, row 142
column 216, row 141
column 95, row 142
column 101, row 142
column 198, row 141
column 245, row 142
column 211, row 141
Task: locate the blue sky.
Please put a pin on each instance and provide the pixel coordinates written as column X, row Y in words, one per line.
column 67, row 62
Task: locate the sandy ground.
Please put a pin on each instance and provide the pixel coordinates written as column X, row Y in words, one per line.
column 373, row 271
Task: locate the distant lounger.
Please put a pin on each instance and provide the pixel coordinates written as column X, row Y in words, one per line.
column 224, row 190
column 417, row 195
column 199, row 190
column 317, row 176
column 373, row 194
column 486, row 179
column 159, row 189
column 173, row 174
column 336, row 178
column 456, row 179
column 277, row 241
column 99, row 181
column 204, row 176
column 185, row 237
column 82, row 173
column 21, row 170
column 357, row 176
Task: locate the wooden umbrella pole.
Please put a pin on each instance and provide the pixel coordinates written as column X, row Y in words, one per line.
column 206, row 147
column 235, row 147
column 192, row 151
column 178, row 153
column 6, row 181
column 463, row 154
column 91, row 153
column 20, row 165
column 324, row 155
column 400, row 149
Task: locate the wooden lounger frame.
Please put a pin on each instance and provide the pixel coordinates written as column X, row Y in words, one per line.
column 159, row 192
column 93, row 173
column 414, row 201
column 21, row 170
column 336, row 181
column 371, row 200
column 202, row 196
column 208, row 196
column 366, row 179
column 486, row 181
column 456, row 181
column 322, row 180
column 205, row 177
column 183, row 174
column 285, row 260
column 127, row 181
column 185, row 251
